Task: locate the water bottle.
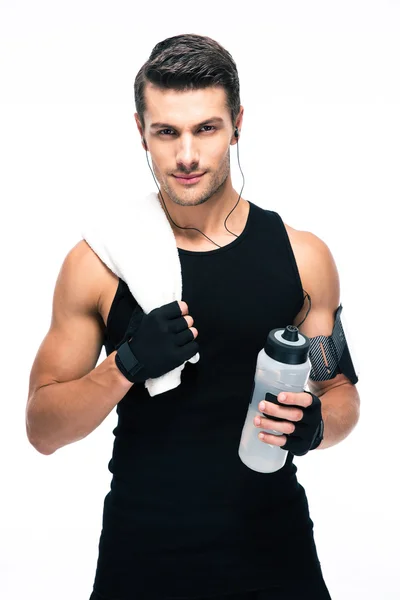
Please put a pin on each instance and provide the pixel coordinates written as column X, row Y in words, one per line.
column 283, row 365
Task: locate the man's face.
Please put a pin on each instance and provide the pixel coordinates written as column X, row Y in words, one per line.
column 188, row 133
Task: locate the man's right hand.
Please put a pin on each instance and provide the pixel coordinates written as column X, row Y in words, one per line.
column 157, row 342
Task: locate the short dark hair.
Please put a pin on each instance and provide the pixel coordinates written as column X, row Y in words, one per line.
column 189, row 62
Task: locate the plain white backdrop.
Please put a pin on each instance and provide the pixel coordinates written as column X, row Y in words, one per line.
column 319, row 144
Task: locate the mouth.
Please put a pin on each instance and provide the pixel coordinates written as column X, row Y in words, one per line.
column 188, row 179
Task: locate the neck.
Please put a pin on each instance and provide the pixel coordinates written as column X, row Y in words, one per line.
column 208, row 217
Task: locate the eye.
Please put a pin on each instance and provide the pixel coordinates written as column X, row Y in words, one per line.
column 163, row 134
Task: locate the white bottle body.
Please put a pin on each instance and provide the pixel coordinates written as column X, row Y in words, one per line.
column 274, row 377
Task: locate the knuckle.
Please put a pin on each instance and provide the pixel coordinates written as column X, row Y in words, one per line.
column 287, row 428
column 270, row 424
column 189, row 320
column 282, row 427
column 272, row 409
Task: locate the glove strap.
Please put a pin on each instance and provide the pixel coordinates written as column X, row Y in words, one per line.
column 127, row 362
column 319, row 436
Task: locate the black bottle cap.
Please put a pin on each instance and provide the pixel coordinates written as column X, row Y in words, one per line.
column 291, row 333
column 287, row 345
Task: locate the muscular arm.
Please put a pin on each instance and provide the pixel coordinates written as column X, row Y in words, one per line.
column 68, row 395
column 339, row 397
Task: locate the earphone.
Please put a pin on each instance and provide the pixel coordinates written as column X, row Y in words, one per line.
column 236, row 134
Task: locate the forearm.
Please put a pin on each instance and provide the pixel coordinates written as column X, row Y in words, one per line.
column 61, row 413
column 340, row 413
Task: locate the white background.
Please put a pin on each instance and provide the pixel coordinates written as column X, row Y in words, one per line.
column 319, row 144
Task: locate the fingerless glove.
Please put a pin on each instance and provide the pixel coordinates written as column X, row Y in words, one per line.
column 155, row 343
column 309, row 431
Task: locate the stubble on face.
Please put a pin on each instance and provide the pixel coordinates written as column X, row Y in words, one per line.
column 196, row 194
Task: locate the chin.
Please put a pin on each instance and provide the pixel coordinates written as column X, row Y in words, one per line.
column 188, row 197
column 182, row 201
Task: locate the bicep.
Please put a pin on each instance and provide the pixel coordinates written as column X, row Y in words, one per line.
column 321, row 280
column 74, row 341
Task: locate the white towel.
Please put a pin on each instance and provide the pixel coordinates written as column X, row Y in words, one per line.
column 135, row 240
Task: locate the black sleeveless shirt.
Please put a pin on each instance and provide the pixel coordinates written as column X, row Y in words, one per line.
column 185, row 517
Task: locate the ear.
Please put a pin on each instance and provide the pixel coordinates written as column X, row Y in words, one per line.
column 238, row 124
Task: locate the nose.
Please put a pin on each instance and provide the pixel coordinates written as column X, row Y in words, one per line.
column 187, row 156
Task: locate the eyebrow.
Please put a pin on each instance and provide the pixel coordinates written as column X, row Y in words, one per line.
column 211, row 120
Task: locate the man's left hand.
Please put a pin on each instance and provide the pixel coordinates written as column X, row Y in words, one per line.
column 298, row 416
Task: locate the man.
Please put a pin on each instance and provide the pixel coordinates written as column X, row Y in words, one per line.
column 185, row 518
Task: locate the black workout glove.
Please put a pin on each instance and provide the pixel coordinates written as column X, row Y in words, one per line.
column 309, row 431
column 155, row 343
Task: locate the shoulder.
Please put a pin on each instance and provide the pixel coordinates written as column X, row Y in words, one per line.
column 310, row 251
column 314, row 257
column 320, row 279
column 83, row 277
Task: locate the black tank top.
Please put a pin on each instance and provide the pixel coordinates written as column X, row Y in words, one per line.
column 185, row 517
